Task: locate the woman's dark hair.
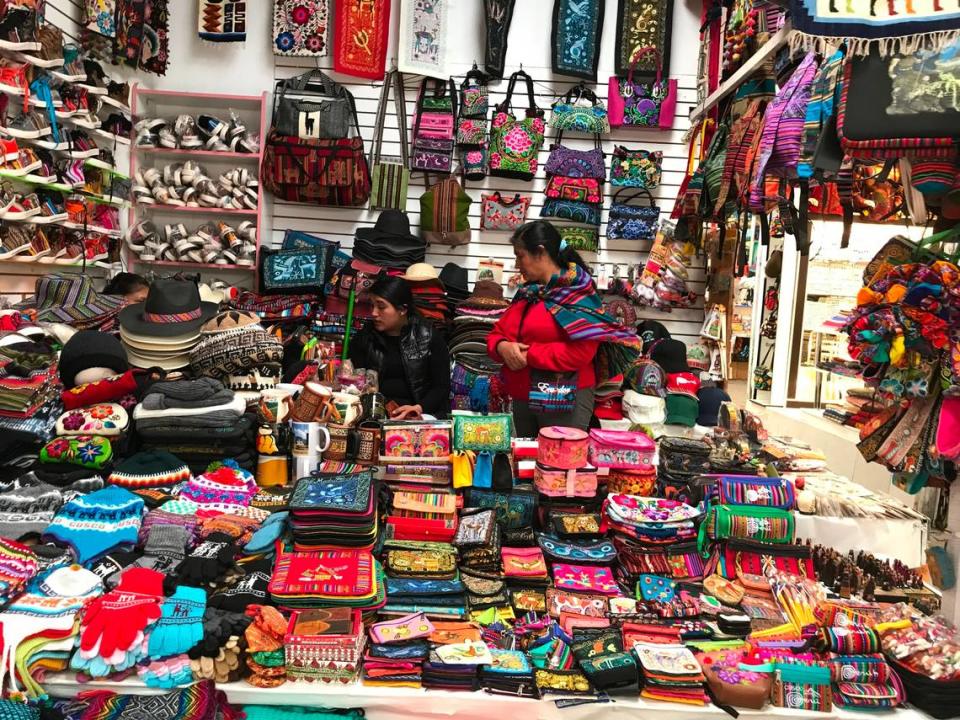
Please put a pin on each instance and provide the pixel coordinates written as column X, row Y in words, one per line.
column 533, row 235
column 395, row 291
column 125, row 283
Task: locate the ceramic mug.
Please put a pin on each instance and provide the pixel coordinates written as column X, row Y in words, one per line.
column 310, row 439
column 344, row 443
column 348, row 406
column 315, row 404
column 275, row 406
column 368, row 444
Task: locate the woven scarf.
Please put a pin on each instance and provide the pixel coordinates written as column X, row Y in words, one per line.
column 574, row 303
column 201, row 701
column 222, row 20
column 360, row 38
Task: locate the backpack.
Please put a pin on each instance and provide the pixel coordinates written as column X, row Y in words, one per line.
column 444, row 213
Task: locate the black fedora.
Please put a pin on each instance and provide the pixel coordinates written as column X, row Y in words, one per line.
column 454, row 279
column 172, row 308
column 391, row 225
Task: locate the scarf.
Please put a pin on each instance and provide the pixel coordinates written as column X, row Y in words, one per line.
column 573, row 301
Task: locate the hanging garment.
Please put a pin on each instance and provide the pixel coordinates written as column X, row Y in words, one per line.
column 497, row 15
column 423, row 37
column 640, row 24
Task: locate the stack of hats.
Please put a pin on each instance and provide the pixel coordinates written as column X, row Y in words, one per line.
column 72, row 300
column 710, row 398
column 337, row 510
column 454, row 279
column 473, row 382
column 95, row 524
column 389, row 243
column 235, row 345
column 682, row 385
column 427, row 290
column 163, row 330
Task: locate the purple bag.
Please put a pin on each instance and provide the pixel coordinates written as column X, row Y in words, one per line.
column 576, row 163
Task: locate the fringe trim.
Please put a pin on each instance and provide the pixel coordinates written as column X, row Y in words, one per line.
column 888, row 46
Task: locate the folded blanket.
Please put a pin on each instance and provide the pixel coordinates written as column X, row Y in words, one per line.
column 234, row 409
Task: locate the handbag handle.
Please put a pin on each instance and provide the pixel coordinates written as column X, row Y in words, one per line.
column 532, row 109
column 498, row 198
column 394, row 78
column 326, row 85
column 641, row 53
column 636, row 192
column 597, row 143
column 582, row 92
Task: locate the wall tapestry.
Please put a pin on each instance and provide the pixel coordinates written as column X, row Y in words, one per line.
column 423, row 38
column 222, row 20
column 300, row 28
column 641, row 23
column 577, row 26
column 143, row 35
column 361, row 33
column 497, row 16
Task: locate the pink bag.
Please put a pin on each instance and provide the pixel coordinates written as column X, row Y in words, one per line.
column 639, row 104
column 565, row 483
column 408, row 627
column 585, row 578
column 624, row 449
column 562, row 447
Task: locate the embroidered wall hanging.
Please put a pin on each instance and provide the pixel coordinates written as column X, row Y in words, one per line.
column 300, row 27
column 577, row 26
column 643, row 23
column 142, row 35
column 99, row 16
column 361, row 32
column 894, row 27
column 497, row 16
column 423, row 37
column 222, row 20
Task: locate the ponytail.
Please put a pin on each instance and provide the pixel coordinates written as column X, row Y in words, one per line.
column 538, row 234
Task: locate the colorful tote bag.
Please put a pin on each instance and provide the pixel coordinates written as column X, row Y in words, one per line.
column 498, row 213
column 390, row 175
column 433, row 128
column 635, row 168
column 300, row 27
column 642, row 104
column 580, row 110
column 515, row 144
column 632, row 222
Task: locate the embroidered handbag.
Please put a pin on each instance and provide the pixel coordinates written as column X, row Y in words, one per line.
column 621, row 449
column 632, row 222
column 576, row 163
column 587, row 553
column 444, row 214
column 571, row 113
column 523, row 562
column 554, row 482
column 562, row 447
column 681, row 561
column 415, row 440
column 637, row 104
column 585, row 578
column 482, row 432
column 580, row 238
column 503, row 215
column 293, row 271
column 743, row 559
column 585, row 190
column 390, row 175
column 515, row 144
column 514, row 509
column 684, row 456
column 635, row 168
column 472, row 125
column 318, row 172
column 433, row 134
column 591, row 605
column 312, row 106
column 765, row 524
column 572, row 210
column 746, row 490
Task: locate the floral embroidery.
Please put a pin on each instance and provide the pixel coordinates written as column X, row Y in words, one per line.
column 300, row 27
column 576, row 37
column 89, row 452
column 73, row 421
column 641, row 102
column 635, row 168
column 501, row 215
column 515, row 146
column 101, row 412
column 56, row 448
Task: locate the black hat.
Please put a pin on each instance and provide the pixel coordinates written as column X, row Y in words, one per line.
column 710, row 400
column 172, row 308
column 650, row 331
column 454, row 279
column 91, row 349
column 391, row 225
column 671, row 355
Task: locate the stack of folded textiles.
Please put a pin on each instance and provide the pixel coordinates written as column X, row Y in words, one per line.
column 28, row 400
column 334, row 510
column 452, row 664
column 437, row 598
column 671, row 673
column 426, row 573
column 473, row 383
column 397, row 651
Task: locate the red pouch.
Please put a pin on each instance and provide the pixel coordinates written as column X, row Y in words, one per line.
column 107, row 390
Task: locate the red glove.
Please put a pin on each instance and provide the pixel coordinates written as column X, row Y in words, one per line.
column 116, row 618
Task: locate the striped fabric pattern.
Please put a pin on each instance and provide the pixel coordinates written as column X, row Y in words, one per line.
column 824, row 99
column 61, row 298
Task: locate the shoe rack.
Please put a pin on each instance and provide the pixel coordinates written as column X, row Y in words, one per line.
column 168, row 105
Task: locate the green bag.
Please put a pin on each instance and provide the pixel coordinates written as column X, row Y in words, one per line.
column 712, row 167
column 444, row 214
column 764, row 524
column 476, row 432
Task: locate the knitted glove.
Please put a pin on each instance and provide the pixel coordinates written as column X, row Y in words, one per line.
column 250, row 589
column 264, row 538
column 181, row 623
column 218, row 627
column 224, row 666
column 112, row 622
column 167, row 673
column 165, row 548
column 209, row 561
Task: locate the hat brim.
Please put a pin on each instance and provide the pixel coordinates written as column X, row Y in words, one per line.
column 371, row 233
column 131, row 319
column 175, row 362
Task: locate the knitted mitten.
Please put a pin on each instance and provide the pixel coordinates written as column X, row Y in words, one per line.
column 181, row 623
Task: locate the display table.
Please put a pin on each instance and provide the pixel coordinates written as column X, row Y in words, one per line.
column 387, row 702
column 889, row 538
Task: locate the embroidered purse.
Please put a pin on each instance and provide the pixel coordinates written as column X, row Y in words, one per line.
column 569, row 113
column 444, row 214
column 475, row 529
column 680, row 561
column 88, row 451
column 420, row 559
column 684, row 456
column 586, row 553
column 621, row 449
column 293, row 271
column 642, row 483
column 562, row 682
column 563, row 601
column 567, row 162
column 769, row 492
column 562, row 447
column 554, row 482
column 580, row 238
column 472, row 125
column 635, row 168
column 585, row 190
column 515, row 144
column 415, row 440
column 484, row 590
column 572, row 210
column 765, row 524
column 514, row 510
column 636, row 104
column 746, row 560
column 105, row 419
column 503, row 215
column 390, row 175
column 870, row 696
column 802, row 687
column 409, row 627
column 585, row 578
column 491, row 432
column 656, row 588
column 632, row 222
column 524, row 562
column 576, row 525
column 433, row 135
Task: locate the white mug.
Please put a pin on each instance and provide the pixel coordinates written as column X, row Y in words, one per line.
column 306, row 439
column 348, row 405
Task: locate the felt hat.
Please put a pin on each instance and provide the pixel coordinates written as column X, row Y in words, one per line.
column 454, row 279
column 91, row 349
column 72, row 299
column 671, row 355
column 172, row 308
column 681, row 410
column 391, row 226
column 710, row 400
column 420, row 271
column 150, row 468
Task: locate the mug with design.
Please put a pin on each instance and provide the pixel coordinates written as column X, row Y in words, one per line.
column 368, row 444
column 275, row 406
column 315, row 404
column 343, row 443
column 272, row 470
column 310, row 441
column 348, row 405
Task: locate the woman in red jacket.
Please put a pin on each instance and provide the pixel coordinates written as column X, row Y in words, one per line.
column 549, row 338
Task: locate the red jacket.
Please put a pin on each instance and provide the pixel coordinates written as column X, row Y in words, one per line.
column 550, row 348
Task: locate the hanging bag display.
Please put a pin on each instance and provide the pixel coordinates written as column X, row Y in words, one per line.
column 472, row 124
column 498, row 213
column 312, row 106
column 315, row 170
column 515, row 143
column 390, row 175
column 433, row 128
column 637, row 104
column 632, row 222
column 444, row 213
column 580, row 110
column 635, row 168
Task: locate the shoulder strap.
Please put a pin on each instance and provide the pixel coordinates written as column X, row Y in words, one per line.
column 641, row 53
column 394, row 78
column 634, row 193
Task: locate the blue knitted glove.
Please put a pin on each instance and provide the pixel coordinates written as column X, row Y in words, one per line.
column 180, row 626
column 264, row 538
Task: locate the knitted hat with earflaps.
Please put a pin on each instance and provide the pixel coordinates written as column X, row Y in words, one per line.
column 94, row 524
column 28, row 510
column 151, row 468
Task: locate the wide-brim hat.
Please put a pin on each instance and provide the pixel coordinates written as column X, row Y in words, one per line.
column 172, row 307
column 68, row 299
column 164, row 362
column 421, row 271
column 454, row 279
column 391, row 225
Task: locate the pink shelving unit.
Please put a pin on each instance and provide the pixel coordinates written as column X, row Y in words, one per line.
column 168, row 104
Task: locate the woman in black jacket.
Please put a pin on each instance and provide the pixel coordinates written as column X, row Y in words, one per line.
column 410, row 357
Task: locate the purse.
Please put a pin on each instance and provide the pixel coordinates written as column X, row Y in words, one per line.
column 802, row 687
column 472, row 125
column 514, row 509
column 572, row 210
column 637, row 104
column 402, row 629
column 580, row 238
column 621, row 449
column 523, row 562
column 475, row 529
column 503, row 215
column 768, row 492
column 635, row 168
column 568, row 113
column 586, row 553
column 562, row 447
column 684, row 456
column 444, row 214
column 746, row 559
column 555, row 482
column 293, row 271
column 571, row 163
column 515, row 144
column 312, row 107
column 585, row 578
column 433, row 133
column 491, row 432
column 765, row 524
column 390, row 175
column 632, row 222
